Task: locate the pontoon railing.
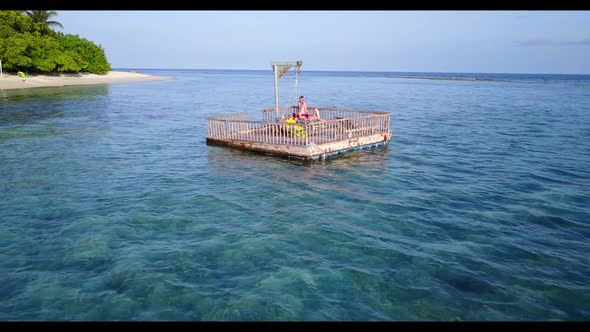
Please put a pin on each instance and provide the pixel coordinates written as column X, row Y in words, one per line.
column 337, row 125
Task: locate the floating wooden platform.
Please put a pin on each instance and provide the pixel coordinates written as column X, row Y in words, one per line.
column 339, row 131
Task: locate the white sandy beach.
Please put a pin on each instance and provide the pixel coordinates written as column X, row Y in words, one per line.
column 12, row 81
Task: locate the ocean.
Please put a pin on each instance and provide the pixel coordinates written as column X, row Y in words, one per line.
column 112, row 206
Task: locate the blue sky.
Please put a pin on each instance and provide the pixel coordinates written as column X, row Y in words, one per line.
column 552, row 42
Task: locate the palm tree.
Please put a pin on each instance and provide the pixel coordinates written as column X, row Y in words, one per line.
column 41, row 17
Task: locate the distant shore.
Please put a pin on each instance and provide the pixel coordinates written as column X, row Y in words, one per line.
column 450, row 79
column 13, row 81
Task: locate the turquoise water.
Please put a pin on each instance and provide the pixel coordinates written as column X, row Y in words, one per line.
column 112, row 207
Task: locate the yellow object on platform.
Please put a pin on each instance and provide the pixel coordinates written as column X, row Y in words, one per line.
column 297, row 130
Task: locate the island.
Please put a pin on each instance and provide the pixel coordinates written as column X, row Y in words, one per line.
column 33, row 55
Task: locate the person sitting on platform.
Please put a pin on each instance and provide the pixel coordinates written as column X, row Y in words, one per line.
column 302, row 111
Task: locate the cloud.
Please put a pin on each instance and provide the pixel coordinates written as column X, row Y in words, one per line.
column 549, row 42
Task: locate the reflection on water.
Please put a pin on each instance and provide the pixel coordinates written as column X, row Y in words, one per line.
column 372, row 156
column 23, row 111
column 233, row 175
column 53, row 93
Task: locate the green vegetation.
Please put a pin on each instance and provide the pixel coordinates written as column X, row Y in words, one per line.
column 27, row 43
column 41, row 18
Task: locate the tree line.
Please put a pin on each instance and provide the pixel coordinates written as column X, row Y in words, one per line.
column 28, row 42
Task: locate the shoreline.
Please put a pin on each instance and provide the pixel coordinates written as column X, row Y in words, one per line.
column 15, row 82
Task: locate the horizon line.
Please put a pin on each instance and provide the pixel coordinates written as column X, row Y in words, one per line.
column 360, row 71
